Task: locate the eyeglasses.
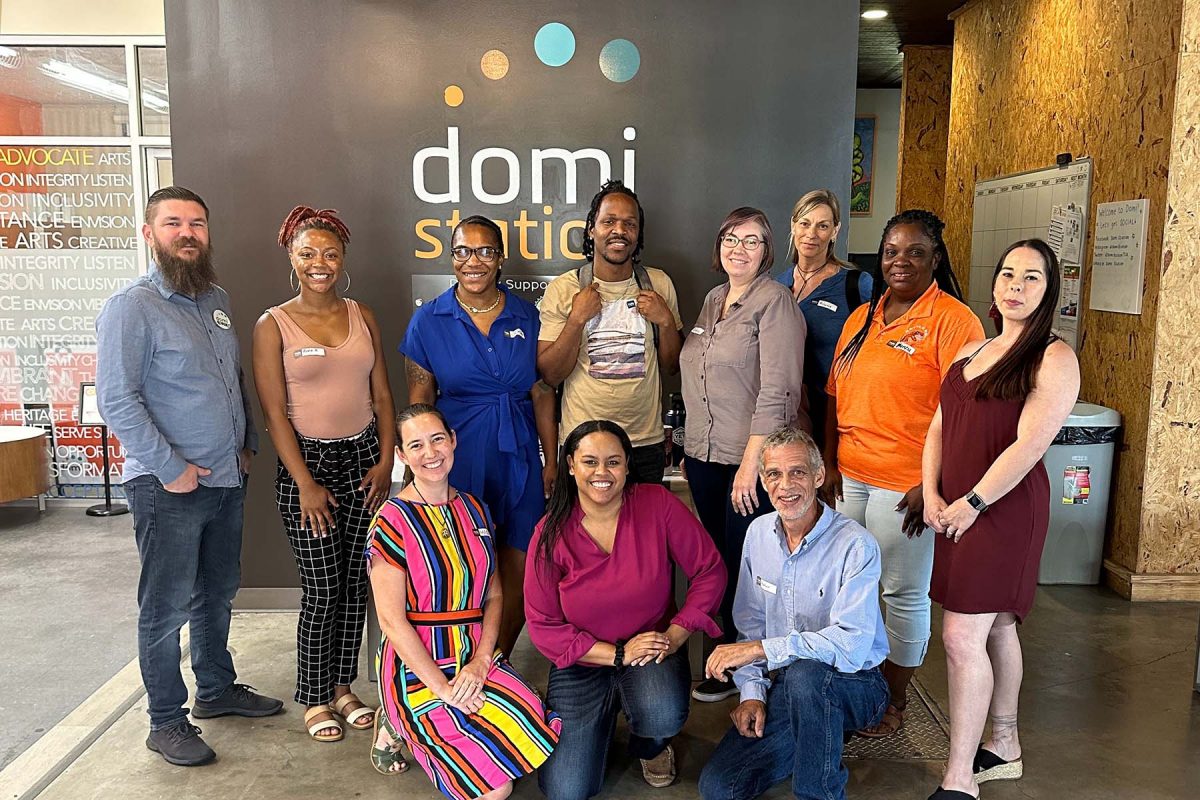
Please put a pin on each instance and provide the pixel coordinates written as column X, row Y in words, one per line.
column 731, row 241
column 486, row 254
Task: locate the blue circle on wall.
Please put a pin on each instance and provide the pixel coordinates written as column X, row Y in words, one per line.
column 554, row 44
column 620, row 60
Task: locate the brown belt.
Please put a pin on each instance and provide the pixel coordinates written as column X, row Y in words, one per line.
column 445, row 619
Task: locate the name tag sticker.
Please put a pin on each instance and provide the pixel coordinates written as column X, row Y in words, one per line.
column 905, row 348
column 825, row 304
column 697, row 330
column 766, row 586
column 484, row 532
column 515, row 333
column 222, row 320
column 309, row 351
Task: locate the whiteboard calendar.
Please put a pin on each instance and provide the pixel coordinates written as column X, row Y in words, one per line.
column 1050, row 204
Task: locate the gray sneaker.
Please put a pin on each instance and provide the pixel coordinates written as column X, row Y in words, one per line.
column 713, row 690
column 239, row 700
column 180, row 744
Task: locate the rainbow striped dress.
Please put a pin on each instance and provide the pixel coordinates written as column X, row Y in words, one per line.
column 448, row 554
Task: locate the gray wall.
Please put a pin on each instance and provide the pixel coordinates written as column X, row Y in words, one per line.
column 280, row 102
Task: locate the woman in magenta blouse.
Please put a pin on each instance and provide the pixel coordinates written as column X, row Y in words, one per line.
column 598, row 604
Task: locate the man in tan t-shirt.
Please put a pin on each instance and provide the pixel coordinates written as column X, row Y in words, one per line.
column 609, row 342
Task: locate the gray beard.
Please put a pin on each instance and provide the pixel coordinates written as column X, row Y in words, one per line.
column 192, row 278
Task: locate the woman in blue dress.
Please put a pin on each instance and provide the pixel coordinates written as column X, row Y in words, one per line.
column 472, row 352
column 826, row 288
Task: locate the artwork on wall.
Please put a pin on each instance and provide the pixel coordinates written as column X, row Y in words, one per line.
column 862, row 179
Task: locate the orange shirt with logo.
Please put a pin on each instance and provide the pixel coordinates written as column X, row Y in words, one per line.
column 887, row 396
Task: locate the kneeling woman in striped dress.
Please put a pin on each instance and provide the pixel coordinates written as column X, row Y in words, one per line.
column 472, row 723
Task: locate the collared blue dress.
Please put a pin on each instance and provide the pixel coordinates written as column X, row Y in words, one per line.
column 483, row 389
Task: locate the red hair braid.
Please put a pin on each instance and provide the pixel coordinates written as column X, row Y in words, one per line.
column 303, row 218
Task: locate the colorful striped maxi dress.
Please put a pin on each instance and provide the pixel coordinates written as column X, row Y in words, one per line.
column 448, row 554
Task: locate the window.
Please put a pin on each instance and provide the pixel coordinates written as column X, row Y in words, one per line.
column 78, row 156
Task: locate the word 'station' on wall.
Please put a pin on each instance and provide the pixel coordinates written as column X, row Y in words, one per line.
column 68, row 240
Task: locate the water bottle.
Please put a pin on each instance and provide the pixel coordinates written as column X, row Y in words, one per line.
column 674, row 417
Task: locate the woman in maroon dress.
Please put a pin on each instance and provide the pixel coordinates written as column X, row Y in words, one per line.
column 987, row 495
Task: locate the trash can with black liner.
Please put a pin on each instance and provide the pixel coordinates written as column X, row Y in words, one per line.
column 1079, row 463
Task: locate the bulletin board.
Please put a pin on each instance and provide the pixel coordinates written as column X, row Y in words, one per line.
column 1023, row 206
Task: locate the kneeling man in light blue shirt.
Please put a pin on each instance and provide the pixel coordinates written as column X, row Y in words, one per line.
column 810, row 637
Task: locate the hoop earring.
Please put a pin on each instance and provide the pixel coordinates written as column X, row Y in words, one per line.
column 347, row 289
column 294, row 282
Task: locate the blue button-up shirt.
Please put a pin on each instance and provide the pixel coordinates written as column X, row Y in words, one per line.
column 169, row 382
column 819, row 601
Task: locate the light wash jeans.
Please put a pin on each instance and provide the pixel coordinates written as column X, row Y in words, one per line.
column 907, row 567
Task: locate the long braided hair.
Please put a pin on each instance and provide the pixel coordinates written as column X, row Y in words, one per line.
column 943, row 274
column 303, row 218
column 613, row 187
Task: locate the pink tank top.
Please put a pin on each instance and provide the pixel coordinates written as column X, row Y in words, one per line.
column 328, row 388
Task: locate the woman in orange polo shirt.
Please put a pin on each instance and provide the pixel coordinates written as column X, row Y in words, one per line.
column 883, row 391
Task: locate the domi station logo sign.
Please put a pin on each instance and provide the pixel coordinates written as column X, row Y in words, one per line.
column 446, row 172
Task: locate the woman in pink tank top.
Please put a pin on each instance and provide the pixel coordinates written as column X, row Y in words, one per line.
column 323, row 386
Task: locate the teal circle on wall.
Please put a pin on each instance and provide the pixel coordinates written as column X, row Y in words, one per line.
column 620, row 60
column 554, row 44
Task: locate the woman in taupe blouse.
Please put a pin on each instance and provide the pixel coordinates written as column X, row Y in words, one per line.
column 743, row 378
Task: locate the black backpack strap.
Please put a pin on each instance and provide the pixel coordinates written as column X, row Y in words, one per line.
column 853, row 295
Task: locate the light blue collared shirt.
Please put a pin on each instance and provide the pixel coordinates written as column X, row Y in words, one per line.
column 820, row 601
column 169, row 382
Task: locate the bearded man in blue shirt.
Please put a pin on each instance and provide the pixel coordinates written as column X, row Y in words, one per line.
column 170, row 386
column 810, row 638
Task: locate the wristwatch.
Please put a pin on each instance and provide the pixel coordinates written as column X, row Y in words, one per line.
column 977, row 502
column 619, row 658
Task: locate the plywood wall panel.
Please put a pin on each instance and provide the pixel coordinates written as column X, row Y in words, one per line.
column 924, row 128
column 1034, row 78
column 1170, row 540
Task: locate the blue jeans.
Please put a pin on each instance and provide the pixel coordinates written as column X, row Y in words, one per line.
column 809, row 707
column 654, row 699
column 190, row 546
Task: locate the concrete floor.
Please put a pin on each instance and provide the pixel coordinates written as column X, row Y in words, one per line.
column 68, row 594
column 1107, row 710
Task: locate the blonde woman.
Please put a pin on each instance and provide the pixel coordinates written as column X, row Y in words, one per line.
column 826, row 288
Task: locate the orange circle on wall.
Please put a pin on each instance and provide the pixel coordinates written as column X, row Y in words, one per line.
column 453, row 95
column 494, row 64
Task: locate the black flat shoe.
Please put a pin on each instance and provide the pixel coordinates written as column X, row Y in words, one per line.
column 990, row 767
column 951, row 794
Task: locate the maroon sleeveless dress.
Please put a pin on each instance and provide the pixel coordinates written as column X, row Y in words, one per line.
column 994, row 567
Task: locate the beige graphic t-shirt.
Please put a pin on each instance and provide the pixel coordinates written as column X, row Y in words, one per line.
column 616, row 377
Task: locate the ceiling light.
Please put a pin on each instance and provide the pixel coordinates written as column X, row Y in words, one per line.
column 874, row 13
column 87, row 81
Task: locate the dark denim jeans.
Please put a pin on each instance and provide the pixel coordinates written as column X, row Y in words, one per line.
column 649, row 464
column 809, row 708
column 190, row 546
column 710, row 484
column 654, row 699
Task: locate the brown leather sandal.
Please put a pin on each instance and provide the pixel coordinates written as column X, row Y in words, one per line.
column 893, row 721
column 354, row 717
column 315, row 728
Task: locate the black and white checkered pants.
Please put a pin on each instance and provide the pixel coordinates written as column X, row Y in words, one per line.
column 333, row 568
